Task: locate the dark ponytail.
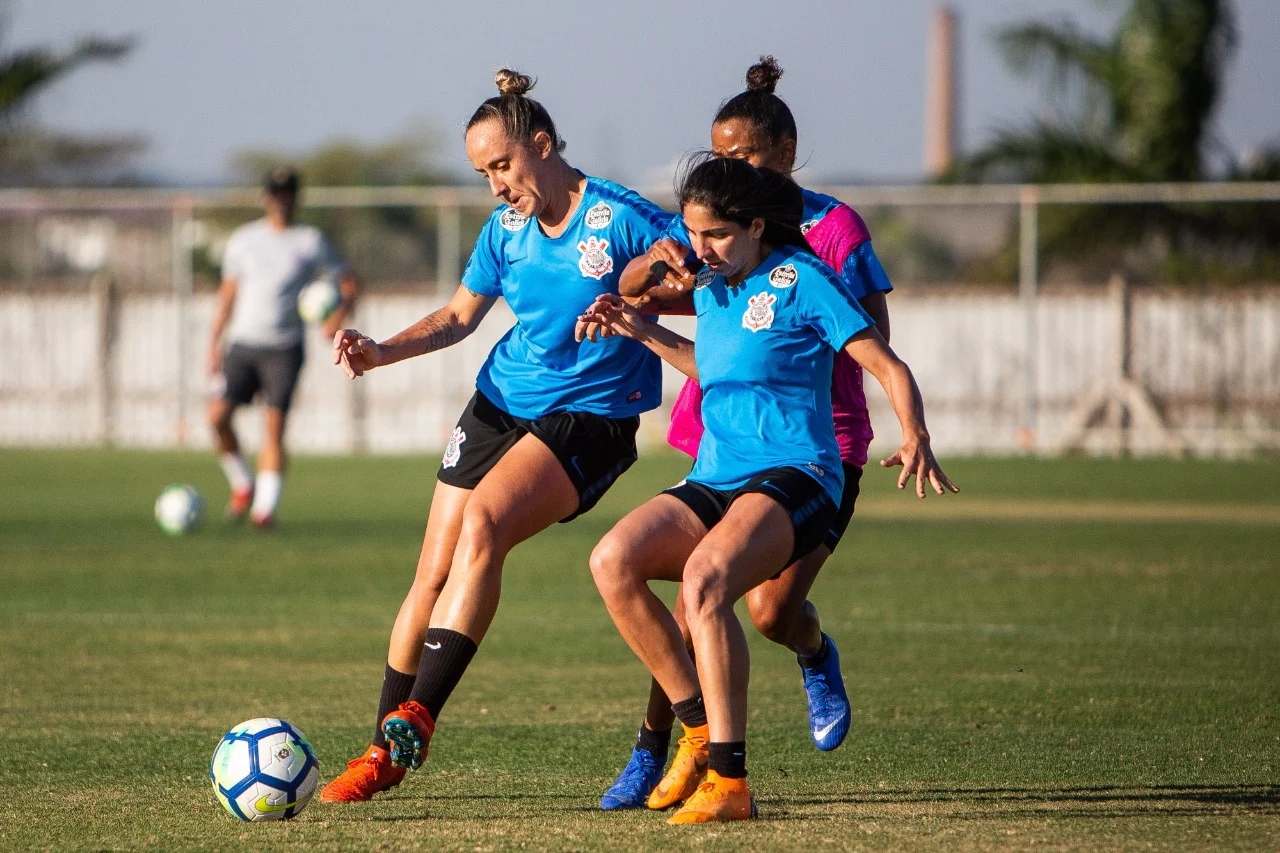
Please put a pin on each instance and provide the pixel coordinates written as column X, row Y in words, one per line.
column 760, row 106
column 735, row 191
column 520, row 115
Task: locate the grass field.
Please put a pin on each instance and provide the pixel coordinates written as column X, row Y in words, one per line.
column 1070, row 655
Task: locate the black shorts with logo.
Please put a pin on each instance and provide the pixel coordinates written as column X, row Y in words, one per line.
column 594, row 450
column 246, row 370
column 813, row 513
column 852, row 479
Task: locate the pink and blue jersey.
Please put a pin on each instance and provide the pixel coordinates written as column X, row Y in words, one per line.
column 841, row 240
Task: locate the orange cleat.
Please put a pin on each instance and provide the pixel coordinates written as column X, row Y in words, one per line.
column 264, row 521
column 238, row 506
column 717, row 799
column 687, row 770
column 409, row 729
column 365, row 776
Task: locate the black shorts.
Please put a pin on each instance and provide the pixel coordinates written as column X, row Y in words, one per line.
column 246, row 370
column 852, row 478
column 594, row 450
column 811, row 509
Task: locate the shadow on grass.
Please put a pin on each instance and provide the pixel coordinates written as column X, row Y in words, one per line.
column 1092, row 802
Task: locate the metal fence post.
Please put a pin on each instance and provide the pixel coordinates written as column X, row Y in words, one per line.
column 1028, row 272
column 448, row 238
column 183, row 284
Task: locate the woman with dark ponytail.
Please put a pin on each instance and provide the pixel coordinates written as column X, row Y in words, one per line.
column 767, row 484
column 757, row 126
column 551, row 426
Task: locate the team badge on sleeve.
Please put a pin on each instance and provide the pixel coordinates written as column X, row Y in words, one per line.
column 703, row 278
column 599, row 215
column 783, row 276
column 512, row 220
column 595, row 261
column 453, row 452
column 759, row 313
column 806, row 227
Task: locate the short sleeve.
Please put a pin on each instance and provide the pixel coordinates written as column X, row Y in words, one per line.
column 328, row 261
column 643, row 225
column 233, row 257
column 863, row 274
column 822, row 304
column 483, row 275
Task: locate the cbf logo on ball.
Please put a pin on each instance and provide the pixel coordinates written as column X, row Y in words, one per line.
column 595, row 261
column 759, row 313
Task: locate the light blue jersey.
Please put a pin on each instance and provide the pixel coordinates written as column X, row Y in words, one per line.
column 538, row 368
column 764, row 353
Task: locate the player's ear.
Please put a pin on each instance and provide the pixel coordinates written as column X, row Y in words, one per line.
column 541, row 144
column 756, row 231
column 787, row 154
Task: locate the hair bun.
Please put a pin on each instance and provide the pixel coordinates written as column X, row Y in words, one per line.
column 513, row 82
column 764, row 75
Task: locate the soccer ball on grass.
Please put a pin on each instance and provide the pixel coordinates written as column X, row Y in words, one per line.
column 178, row 509
column 264, row 769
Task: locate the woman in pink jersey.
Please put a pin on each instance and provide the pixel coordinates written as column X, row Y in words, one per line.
column 757, row 126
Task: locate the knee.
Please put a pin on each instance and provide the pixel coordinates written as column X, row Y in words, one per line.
column 480, row 538
column 705, row 591
column 609, row 567
column 769, row 619
column 219, row 414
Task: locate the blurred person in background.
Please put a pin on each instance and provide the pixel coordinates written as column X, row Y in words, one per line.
column 258, row 337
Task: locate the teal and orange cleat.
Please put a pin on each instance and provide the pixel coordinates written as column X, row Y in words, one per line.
column 408, row 730
column 365, row 776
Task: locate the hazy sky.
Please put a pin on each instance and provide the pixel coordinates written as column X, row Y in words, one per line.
column 631, row 85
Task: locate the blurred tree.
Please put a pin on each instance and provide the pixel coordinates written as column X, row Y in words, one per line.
column 1135, row 106
column 30, row 155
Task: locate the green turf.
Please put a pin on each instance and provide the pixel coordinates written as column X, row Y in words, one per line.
column 1047, row 684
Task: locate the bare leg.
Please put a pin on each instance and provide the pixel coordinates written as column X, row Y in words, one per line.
column 444, row 523
column 650, row 543
column 659, row 716
column 271, row 454
column 224, row 435
column 748, row 545
column 527, row 491
column 780, row 609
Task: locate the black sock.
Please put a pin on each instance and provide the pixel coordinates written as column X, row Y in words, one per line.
column 445, row 656
column 818, row 659
column 728, row 759
column 690, row 712
column 395, row 689
column 656, row 743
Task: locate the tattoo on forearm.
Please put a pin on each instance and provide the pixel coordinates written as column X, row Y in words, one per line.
column 437, row 331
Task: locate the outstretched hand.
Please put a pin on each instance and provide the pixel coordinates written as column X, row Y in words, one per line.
column 916, row 459
column 355, row 353
column 609, row 315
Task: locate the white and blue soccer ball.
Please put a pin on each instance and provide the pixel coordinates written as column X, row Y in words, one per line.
column 318, row 300
column 179, row 509
column 264, row 769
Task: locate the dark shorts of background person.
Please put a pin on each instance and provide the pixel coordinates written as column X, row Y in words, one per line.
column 271, row 370
column 594, row 450
column 810, row 508
column 852, row 479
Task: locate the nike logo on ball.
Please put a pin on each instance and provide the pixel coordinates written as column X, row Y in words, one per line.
column 262, row 806
column 826, row 730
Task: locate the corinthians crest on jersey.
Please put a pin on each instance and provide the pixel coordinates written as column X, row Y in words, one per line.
column 759, row 313
column 595, row 261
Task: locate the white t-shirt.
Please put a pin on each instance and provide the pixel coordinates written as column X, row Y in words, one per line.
column 270, row 266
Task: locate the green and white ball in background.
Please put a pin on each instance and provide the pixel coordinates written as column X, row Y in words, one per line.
column 318, row 300
column 179, row 509
column 264, row 769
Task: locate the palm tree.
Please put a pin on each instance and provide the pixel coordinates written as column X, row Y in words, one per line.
column 31, row 155
column 1136, row 106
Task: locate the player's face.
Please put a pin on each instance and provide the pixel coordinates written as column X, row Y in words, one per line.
column 729, row 249
column 281, row 204
column 742, row 140
column 516, row 172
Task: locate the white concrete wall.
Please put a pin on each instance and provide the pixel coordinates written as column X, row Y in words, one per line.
column 1211, row 363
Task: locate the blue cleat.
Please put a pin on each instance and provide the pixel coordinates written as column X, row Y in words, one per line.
column 829, row 712
column 632, row 787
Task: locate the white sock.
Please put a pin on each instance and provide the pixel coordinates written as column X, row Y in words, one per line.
column 238, row 474
column 266, row 494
